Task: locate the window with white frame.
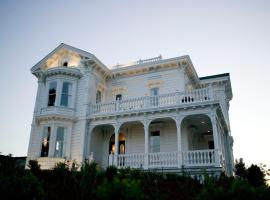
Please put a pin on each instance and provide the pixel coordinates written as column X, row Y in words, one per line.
column 154, row 96
column 155, row 142
column 98, row 97
column 59, row 142
column 52, row 93
column 66, row 94
column 45, row 143
column 154, row 91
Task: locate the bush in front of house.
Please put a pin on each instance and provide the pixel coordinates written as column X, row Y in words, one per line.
column 91, row 182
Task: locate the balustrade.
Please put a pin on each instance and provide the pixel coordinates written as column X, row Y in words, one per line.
column 199, row 158
column 158, row 101
column 165, row 159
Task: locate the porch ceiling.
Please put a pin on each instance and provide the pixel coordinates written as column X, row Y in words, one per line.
column 200, row 123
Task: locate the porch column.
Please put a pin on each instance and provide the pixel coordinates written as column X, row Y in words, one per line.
column 88, row 154
column 52, row 140
column 116, row 142
column 146, row 143
column 216, row 140
column 178, row 122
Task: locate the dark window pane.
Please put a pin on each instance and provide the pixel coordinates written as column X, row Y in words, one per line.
column 45, row 142
column 66, row 94
column 211, row 144
column 52, row 94
column 65, row 87
column 118, row 97
column 64, row 100
column 51, row 100
column 155, row 141
column 59, row 144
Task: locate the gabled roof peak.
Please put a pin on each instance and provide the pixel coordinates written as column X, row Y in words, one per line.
column 80, row 52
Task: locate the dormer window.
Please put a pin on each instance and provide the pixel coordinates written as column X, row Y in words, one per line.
column 65, row 64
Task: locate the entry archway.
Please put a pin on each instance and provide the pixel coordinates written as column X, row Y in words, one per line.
column 197, row 132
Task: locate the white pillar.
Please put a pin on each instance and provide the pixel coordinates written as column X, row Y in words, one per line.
column 146, row 143
column 116, row 143
column 178, row 121
column 216, row 140
column 116, row 138
column 52, row 140
column 88, row 142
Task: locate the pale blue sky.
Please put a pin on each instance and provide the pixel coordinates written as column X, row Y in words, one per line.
column 220, row 36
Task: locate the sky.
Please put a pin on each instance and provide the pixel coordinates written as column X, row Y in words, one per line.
column 220, row 37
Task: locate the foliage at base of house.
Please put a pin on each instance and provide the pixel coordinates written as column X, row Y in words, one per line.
column 90, row 182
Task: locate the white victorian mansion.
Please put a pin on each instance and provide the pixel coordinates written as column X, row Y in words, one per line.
column 150, row 114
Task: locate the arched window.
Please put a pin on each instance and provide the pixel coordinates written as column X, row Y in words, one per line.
column 65, row 64
column 98, row 97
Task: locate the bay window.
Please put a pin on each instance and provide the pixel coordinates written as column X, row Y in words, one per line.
column 60, row 96
column 45, row 143
column 59, row 143
column 66, row 94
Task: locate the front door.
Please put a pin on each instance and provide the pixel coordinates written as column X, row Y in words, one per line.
column 121, row 146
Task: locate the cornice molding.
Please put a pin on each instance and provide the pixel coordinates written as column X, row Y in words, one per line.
column 45, row 118
column 67, row 71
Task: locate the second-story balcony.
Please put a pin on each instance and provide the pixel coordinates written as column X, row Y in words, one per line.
column 176, row 99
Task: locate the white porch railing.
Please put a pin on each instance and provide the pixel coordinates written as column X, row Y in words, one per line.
column 199, row 158
column 130, row 160
column 194, row 158
column 164, row 100
column 163, row 159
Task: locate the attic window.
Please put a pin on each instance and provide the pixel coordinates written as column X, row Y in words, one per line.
column 65, row 64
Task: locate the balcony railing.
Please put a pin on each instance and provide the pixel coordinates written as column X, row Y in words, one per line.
column 196, row 158
column 158, row 101
column 199, row 158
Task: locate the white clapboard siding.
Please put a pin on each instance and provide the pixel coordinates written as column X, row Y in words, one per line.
column 171, row 80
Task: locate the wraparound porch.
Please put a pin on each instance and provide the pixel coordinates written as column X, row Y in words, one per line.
column 196, row 158
column 190, row 141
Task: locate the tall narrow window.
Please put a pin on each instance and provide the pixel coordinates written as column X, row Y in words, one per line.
column 52, row 93
column 154, row 91
column 66, row 94
column 98, row 97
column 59, row 143
column 155, row 142
column 154, row 96
column 45, row 142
